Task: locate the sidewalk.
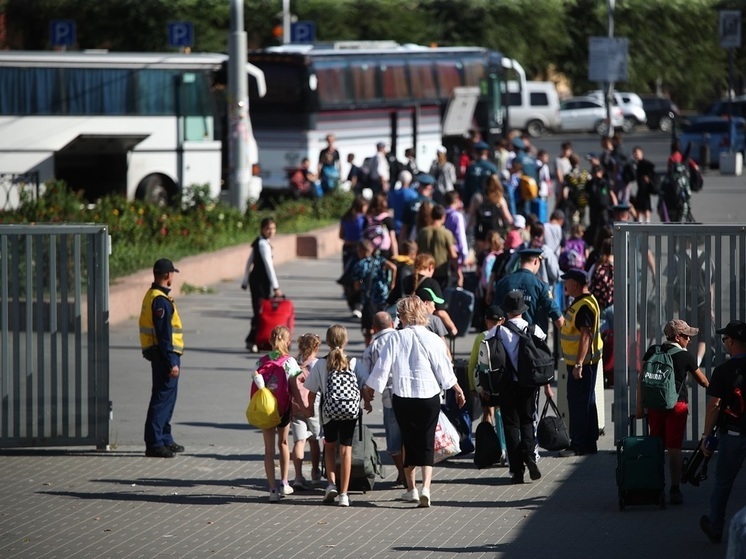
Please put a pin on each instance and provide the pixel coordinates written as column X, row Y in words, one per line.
column 212, row 500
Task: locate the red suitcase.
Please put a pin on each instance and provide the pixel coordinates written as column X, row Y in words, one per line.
column 275, row 311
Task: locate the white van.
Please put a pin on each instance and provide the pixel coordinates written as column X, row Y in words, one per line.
column 534, row 109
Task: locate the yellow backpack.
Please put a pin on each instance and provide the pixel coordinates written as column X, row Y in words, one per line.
column 263, row 411
column 528, row 188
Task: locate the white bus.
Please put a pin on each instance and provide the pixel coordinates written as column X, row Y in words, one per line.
column 140, row 124
column 364, row 94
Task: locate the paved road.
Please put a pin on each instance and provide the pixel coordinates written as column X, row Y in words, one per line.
column 212, row 500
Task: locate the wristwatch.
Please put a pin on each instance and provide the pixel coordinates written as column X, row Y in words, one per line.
column 578, row 366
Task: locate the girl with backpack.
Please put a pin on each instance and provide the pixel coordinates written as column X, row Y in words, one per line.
column 273, row 371
column 380, row 228
column 305, row 419
column 351, row 228
column 332, row 379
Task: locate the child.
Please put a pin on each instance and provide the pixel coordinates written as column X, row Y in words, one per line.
column 305, row 423
column 337, row 432
column 374, row 278
column 273, row 371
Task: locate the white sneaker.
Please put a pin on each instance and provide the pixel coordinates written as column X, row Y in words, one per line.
column 344, row 500
column 411, row 496
column 357, row 313
column 330, row 494
column 274, row 497
column 285, row 489
column 425, row 497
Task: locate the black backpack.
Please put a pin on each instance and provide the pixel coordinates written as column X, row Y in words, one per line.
column 489, row 218
column 535, row 359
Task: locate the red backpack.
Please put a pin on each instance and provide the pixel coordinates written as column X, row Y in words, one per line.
column 276, row 379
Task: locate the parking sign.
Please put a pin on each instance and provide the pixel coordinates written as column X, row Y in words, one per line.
column 62, row 32
column 303, row 32
column 180, row 34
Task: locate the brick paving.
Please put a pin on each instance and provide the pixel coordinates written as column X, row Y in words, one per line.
column 212, row 500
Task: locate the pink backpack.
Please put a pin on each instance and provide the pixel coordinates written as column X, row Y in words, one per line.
column 276, row 379
column 376, row 231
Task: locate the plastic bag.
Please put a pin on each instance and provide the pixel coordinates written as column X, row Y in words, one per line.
column 262, row 411
column 446, row 439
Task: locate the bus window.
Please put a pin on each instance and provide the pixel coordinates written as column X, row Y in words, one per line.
column 473, row 72
column 394, row 81
column 364, row 82
column 333, row 83
column 423, row 81
column 449, row 77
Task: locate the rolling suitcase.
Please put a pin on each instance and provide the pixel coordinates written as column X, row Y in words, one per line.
column 366, row 461
column 275, row 311
column 460, row 307
column 640, row 475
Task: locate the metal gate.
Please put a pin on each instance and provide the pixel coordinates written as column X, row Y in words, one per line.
column 54, row 335
column 695, row 272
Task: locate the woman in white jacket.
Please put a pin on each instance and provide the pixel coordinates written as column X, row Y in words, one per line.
column 418, row 363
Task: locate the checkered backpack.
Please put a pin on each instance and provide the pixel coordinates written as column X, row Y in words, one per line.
column 342, row 396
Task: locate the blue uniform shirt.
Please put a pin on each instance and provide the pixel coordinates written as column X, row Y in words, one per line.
column 536, row 294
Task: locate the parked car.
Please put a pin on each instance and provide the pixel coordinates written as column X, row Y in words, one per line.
column 707, row 136
column 588, row 113
column 631, row 104
column 661, row 112
column 535, row 109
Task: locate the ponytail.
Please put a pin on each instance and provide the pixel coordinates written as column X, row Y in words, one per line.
column 336, row 339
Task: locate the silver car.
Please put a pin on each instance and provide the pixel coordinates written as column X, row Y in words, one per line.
column 580, row 114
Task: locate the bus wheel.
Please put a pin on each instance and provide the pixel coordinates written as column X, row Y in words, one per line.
column 155, row 190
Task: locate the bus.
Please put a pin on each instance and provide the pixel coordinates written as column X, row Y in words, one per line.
column 365, row 93
column 144, row 125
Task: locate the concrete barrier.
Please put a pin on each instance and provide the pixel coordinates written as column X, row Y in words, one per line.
column 228, row 264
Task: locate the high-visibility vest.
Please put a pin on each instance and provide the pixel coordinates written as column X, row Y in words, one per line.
column 148, row 340
column 570, row 335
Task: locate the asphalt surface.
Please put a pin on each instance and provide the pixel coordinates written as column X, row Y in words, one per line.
column 212, row 501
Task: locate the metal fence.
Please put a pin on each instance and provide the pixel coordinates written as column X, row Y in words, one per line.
column 13, row 186
column 695, row 272
column 54, row 335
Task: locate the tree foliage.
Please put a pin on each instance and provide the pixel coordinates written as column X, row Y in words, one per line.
column 673, row 43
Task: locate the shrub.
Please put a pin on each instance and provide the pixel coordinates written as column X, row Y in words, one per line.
column 141, row 233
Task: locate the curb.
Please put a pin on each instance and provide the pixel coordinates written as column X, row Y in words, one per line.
column 228, row 264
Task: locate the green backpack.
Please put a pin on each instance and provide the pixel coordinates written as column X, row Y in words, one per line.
column 658, row 383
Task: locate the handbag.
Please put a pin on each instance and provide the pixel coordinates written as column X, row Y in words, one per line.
column 551, row 431
column 263, row 411
column 446, row 439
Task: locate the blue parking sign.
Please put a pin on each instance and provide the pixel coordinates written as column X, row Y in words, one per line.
column 180, row 34
column 303, row 32
column 62, row 32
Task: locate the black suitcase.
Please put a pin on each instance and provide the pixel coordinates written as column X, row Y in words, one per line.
column 366, row 461
column 640, row 472
column 460, row 308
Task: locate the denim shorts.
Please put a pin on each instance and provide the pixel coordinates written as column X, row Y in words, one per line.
column 393, row 433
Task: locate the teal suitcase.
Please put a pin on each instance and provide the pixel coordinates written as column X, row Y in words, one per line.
column 640, row 471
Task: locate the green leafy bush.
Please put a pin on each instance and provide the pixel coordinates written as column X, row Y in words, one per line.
column 141, row 233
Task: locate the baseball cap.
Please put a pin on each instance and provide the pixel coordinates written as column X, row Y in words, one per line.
column 163, row 266
column 427, row 294
column 674, row 327
column 576, row 275
column 442, row 149
column 519, row 221
column 736, row 329
column 494, row 312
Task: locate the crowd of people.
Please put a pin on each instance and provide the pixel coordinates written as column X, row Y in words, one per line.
column 408, row 241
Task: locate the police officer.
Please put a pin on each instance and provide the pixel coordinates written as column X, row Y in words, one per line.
column 536, row 293
column 581, row 343
column 725, row 410
column 162, row 343
column 477, row 174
